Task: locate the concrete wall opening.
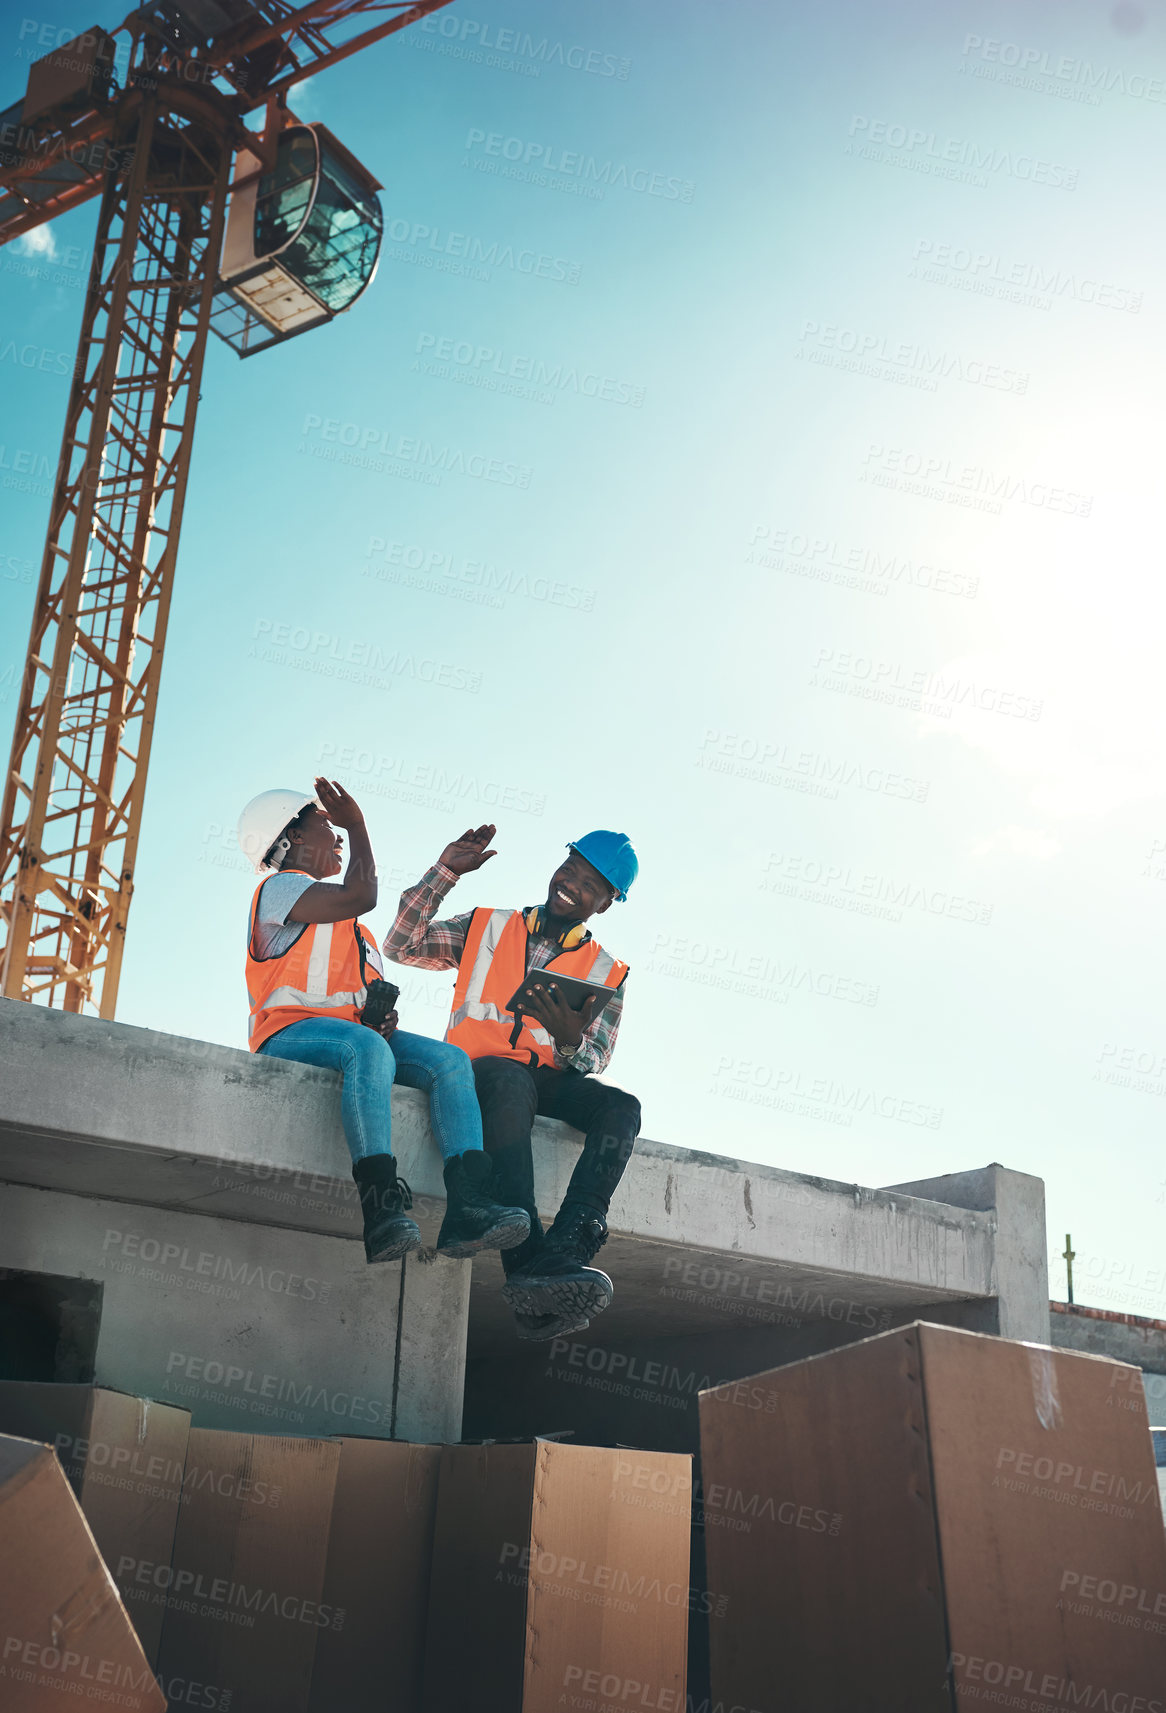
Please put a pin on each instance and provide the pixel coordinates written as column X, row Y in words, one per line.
column 48, row 1326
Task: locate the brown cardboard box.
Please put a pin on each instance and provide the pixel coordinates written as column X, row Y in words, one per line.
column 65, row 1637
column 123, row 1457
column 379, row 1552
column 245, row 1594
column 560, row 1580
column 935, row 1520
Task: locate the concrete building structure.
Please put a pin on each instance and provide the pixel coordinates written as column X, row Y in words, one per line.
column 1124, row 1337
column 182, row 1219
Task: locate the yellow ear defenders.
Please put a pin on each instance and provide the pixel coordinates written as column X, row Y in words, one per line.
column 567, row 940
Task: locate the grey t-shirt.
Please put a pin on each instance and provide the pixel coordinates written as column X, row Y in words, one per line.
column 274, row 934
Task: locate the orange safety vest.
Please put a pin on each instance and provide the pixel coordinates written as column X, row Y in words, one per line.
column 492, row 968
column 321, row 976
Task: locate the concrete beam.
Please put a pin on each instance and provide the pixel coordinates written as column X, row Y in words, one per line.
column 96, row 1108
column 106, row 1127
column 1015, row 1202
column 249, row 1327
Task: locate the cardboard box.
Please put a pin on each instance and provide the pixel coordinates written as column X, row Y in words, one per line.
column 935, row 1520
column 560, row 1580
column 380, row 1549
column 123, row 1457
column 245, row 1594
column 65, row 1637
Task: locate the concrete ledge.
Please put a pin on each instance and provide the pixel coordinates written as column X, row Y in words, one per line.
column 102, row 1109
column 238, row 1165
column 1017, row 1202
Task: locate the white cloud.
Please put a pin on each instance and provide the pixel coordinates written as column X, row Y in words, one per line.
column 39, row 242
column 1074, row 609
column 1094, row 681
column 301, row 98
column 1019, row 841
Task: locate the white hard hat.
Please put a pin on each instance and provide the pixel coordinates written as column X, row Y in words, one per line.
column 263, row 820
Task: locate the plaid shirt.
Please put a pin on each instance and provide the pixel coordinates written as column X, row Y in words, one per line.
column 427, row 945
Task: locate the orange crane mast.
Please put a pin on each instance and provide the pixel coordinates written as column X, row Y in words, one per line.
column 156, row 142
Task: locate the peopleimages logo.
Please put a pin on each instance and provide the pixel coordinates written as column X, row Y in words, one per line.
column 612, row 1579
column 984, row 271
column 852, row 347
column 87, row 1455
column 837, row 1101
column 712, row 963
column 437, row 246
column 486, row 365
column 587, row 1682
column 238, row 1601
column 262, row 1393
column 1055, row 1692
column 478, row 582
column 383, row 774
column 928, row 149
column 26, row 472
column 932, row 692
column 825, row 559
column 509, row 47
column 205, row 1264
column 72, row 1669
column 836, row 883
column 1071, row 1484
column 365, row 447
column 1078, row 78
column 1121, row 1595
column 974, row 485
column 767, row 761
column 483, row 148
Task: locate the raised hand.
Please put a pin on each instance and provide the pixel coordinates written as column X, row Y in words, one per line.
column 341, row 809
column 469, row 852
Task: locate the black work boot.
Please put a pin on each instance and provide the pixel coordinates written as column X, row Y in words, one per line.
column 537, row 1328
column 556, row 1278
column 388, row 1232
column 530, row 1323
column 474, row 1218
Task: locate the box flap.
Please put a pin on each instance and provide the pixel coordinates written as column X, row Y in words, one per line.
column 124, row 1457
column 819, row 1529
column 477, row 1599
column 1054, row 1554
column 66, row 1637
column 246, row 1594
column 380, row 1550
column 609, row 1574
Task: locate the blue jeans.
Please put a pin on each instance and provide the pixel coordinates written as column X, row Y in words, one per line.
column 369, row 1064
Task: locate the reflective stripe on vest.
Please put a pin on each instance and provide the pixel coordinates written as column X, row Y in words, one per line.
column 492, row 967
column 320, row 974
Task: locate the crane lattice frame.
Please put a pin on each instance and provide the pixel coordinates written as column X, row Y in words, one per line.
column 159, row 153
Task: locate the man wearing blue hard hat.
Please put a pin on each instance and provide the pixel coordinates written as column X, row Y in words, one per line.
column 540, row 1057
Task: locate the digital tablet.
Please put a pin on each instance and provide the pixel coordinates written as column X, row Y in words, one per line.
column 574, row 991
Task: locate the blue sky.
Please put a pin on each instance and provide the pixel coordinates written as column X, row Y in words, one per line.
column 750, row 441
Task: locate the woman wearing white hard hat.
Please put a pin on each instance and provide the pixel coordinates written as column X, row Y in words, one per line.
column 309, row 966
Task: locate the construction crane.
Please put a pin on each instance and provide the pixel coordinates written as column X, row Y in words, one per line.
column 150, row 118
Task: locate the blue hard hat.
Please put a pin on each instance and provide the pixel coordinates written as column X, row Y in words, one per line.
column 612, row 855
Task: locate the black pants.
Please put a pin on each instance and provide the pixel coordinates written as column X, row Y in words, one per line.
column 510, row 1094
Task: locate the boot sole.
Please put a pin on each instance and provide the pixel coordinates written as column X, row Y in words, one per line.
column 507, row 1234
column 406, row 1245
column 575, row 1299
column 561, row 1328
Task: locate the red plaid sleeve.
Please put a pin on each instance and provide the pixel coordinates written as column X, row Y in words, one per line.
column 417, row 940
